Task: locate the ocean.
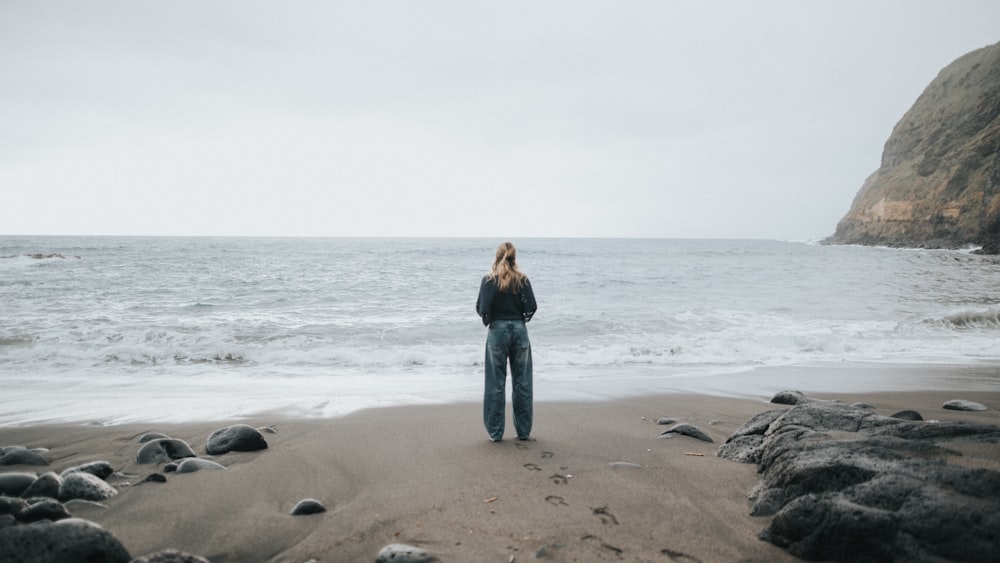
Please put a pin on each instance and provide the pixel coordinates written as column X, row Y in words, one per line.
column 121, row 329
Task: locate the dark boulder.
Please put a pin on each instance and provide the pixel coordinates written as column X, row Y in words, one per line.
column 45, row 510
column 67, row 540
column 236, row 438
column 789, row 398
column 846, row 484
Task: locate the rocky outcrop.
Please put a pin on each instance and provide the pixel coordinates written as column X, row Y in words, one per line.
column 844, row 483
column 938, row 185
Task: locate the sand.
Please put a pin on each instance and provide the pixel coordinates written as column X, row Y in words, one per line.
column 597, row 484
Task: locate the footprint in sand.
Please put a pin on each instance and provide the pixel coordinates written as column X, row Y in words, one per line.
column 606, row 517
column 532, row 467
column 559, row 479
column 596, row 540
column 547, row 455
column 679, row 556
column 520, row 446
column 556, row 500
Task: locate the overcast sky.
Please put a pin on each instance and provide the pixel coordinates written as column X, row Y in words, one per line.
column 460, row 118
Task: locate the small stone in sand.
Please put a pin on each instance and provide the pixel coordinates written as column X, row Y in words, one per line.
column 308, row 506
column 907, row 415
column 666, row 420
column 154, row 478
column 402, row 553
column 192, row 464
column 170, row 556
column 687, row 430
column 962, row 405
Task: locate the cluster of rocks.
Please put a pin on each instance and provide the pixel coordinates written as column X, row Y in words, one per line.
column 844, row 483
column 36, row 521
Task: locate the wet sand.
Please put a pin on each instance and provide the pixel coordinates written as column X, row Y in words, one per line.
column 596, row 484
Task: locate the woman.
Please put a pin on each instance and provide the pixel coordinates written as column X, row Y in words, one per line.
column 505, row 303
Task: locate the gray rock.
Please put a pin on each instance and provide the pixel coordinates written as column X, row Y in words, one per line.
column 402, row 553
column 686, row 430
column 235, row 438
column 65, row 541
column 170, row 467
column 45, row 510
column 164, row 449
column 879, row 489
column 21, row 456
column 170, row 556
column 665, row 420
column 10, row 505
column 192, row 464
column 85, row 486
column 789, row 398
column 14, row 484
column 907, row 415
column 149, row 436
column 46, row 485
column 308, row 506
column 154, row 478
column 958, row 405
column 101, row 469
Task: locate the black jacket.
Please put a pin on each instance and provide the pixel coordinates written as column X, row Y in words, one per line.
column 493, row 304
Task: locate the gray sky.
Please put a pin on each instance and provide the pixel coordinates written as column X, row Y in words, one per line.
column 461, row 118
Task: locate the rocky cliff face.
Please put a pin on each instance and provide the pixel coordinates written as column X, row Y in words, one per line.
column 939, row 182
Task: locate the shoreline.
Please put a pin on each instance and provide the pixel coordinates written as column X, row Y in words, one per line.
column 183, row 401
column 596, row 484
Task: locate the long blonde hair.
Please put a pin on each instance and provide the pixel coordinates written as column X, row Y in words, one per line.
column 505, row 270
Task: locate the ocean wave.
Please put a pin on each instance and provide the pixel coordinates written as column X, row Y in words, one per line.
column 988, row 319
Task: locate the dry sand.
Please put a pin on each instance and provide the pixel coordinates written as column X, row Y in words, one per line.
column 596, row 485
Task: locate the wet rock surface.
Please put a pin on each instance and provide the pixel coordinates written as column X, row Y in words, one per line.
column 235, row 438
column 847, row 484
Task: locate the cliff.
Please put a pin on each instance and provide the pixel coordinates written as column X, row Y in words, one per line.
column 938, row 185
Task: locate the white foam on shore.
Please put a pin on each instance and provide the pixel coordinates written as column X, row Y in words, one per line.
column 183, row 398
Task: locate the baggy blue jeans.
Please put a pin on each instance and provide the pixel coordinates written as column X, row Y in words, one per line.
column 507, row 340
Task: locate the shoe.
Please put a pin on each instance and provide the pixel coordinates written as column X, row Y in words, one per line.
column 492, row 439
column 526, row 438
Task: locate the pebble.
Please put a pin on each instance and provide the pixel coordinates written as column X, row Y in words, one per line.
column 402, row 553
column 192, row 464
column 962, row 405
column 308, row 506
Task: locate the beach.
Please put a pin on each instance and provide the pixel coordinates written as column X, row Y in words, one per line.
column 596, row 484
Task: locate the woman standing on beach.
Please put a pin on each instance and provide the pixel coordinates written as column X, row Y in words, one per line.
column 506, row 302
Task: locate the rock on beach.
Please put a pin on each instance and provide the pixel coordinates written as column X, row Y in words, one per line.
column 235, row 438
column 163, row 449
column 72, row 539
column 85, row 486
column 881, row 490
